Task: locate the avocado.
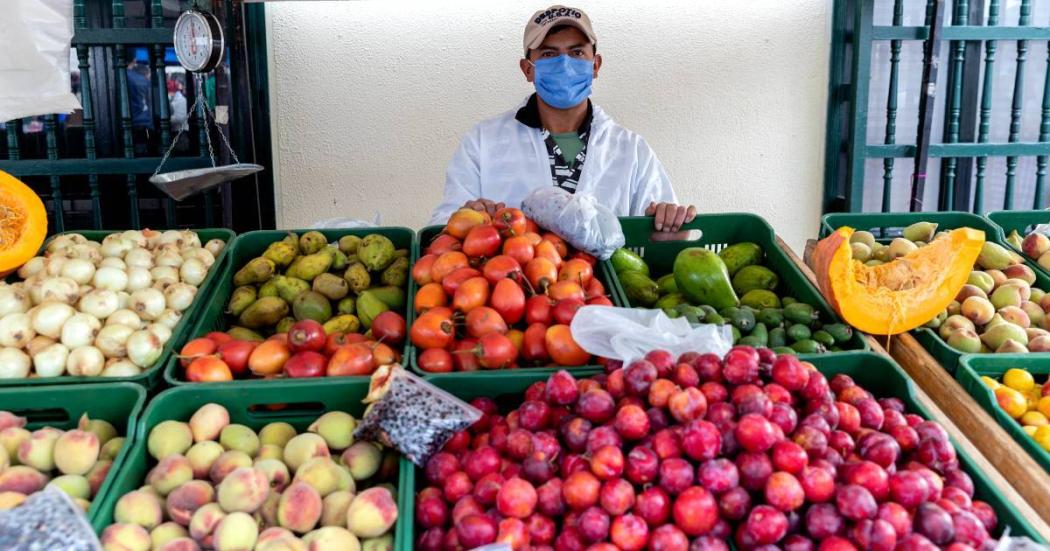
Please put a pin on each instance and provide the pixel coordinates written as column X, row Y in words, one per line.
column 702, row 278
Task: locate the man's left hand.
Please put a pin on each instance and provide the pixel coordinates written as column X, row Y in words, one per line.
column 669, row 217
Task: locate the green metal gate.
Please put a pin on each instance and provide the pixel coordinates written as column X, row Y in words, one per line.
column 966, row 153
column 92, row 167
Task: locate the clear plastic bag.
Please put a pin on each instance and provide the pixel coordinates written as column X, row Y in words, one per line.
column 345, row 223
column 47, row 520
column 411, row 415
column 578, row 218
column 628, row 334
column 34, row 58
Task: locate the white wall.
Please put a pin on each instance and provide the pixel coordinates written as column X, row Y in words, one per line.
column 369, row 99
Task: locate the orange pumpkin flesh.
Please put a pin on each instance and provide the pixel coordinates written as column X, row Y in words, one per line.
column 897, row 296
column 23, row 223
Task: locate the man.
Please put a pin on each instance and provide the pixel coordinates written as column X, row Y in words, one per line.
column 558, row 137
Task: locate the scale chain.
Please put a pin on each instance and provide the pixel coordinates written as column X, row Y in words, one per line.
column 199, row 101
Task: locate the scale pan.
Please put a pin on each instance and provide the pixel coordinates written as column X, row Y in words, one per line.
column 184, row 183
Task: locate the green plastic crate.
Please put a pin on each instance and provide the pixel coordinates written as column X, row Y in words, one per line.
column 886, row 226
column 61, row 406
column 876, row 373
column 720, row 231
column 423, row 239
column 973, row 366
column 304, row 402
column 152, row 376
column 1022, row 221
column 247, row 246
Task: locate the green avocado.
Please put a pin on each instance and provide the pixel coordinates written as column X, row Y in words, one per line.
column 624, row 260
column 739, row 255
column 640, row 290
column 667, row 285
column 754, row 277
column 702, row 278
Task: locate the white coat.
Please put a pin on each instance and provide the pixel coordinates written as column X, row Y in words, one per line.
column 502, row 159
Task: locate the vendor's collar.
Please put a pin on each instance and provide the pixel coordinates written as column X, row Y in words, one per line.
column 529, row 115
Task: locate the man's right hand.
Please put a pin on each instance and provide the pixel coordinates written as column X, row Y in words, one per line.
column 484, row 205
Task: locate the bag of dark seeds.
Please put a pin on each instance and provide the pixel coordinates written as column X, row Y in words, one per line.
column 46, row 521
column 411, row 415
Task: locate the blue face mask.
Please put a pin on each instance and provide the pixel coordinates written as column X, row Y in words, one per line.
column 563, row 82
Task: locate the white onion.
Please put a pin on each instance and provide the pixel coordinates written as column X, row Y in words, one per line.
column 112, row 340
column 80, row 330
column 13, row 300
column 139, row 258
column 54, row 265
column 125, row 317
column 215, row 246
column 138, row 278
column 14, row 364
column 148, row 303
column 34, row 266
column 90, row 251
column 79, row 270
column 169, row 318
column 152, row 238
column 193, row 271
column 165, row 272
column 162, row 284
column 162, row 332
column 60, row 242
column 115, row 245
column 172, row 236
column 168, row 258
column 113, row 262
column 136, row 237
column 144, row 348
column 110, row 278
column 123, row 300
column 77, row 238
column 179, row 296
column 59, row 289
column 86, row 361
column 34, row 286
column 85, row 289
column 120, row 368
column 49, row 317
column 100, row 303
column 38, row 343
column 51, row 361
column 16, row 330
column 190, row 238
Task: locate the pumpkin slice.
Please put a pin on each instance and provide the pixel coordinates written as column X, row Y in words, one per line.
column 23, row 223
column 900, row 295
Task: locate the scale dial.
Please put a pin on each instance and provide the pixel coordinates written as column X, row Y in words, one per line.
column 198, row 41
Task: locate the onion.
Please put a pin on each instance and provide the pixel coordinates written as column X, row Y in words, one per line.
column 147, row 303
column 174, row 237
column 34, row 286
column 179, row 296
column 34, row 266
column 16, row 330
column 169, row 318
column 139, row 278
column 78, row 270
column 205, row 257
column 113, row 262
column 59, row 289
column 152, row 237
column 86, row 361
column 165, row 272
column 112, row 340
column 38, row 343
column 215, row 246
column 54, row 265
column 144, row 348
column 115, row 245
column 193, row 271
column 139, row 258
column 60, row 242
column 136, row 237
column 162, row 284
column 162, row 332
column 90, row 251
column 110, row 278
column 168, row 258
column 85, row 289
column 13, row 300
column 14, row 364
column 100, row 303
column 123, row 300
column 80, row 330
column 77, row 238
column 121, row 368
column 49, row 317
column 51, row 360
column 125, row 317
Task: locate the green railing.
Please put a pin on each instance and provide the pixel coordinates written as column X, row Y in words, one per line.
column 967, row 95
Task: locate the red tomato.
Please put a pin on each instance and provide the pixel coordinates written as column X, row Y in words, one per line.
column 335, row 340
column 482, row 241
column 219, row 337
column 446, row 264
column 433, row 329
column 268, row 358
column 559, row 244
column 500, row 267
column 533, row 346
column 442, row 244
column 595, row 288
column 306, row 335
column 306, row 363
column 463, row 357
column 352, row 359
column 472, row 294
column 565, row 289
column 549, row 251
column 384, row 355
column 421, row 271
column 519, row 248
column 208, row 369
column 389, row 328
column 484, row 320
column 509, row 300
column 452, row 281
column 435, row 360
column 517, row 337
column 462, row 220
column 510, row 221
column 236, row 354
column 496, row 351
column 566, row 309
column 541, row 272
column 600, row 301
column 577, row 271
column 196, row 348
column 538, row 309
column 562, row 348
column 430, row 296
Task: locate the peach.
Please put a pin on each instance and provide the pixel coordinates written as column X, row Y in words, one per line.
column 325, row 475
column 236, row 532
column 111, row 449
column 165, row 533
column 82, row 503
column 104, row 430
column 953, row 323
column 74, row 485
column 363, row 460
column 125, row 537
column 180, row 544
column 240, row 438
column 337, row 429
column 1035, row 245
column 97, row 475
column 1015, row 315
column 208, row 421
column 1034, row 332
column 1020, row 271
column 996, row 336
column 1040, row 343
column 1034, row 311
column 276, row 472
column 204, row 520
column 1044, row 261
column 270, row 451
column 186, row 499
column 276, row 538
column 227, row 463
column 39, row 451
column 332, row 538
column 302, row 448
column 10, row 500
column 4, row 460
column 169, row 437
column 172, row 472
column 371, row 513
column 76, row 451
column 10, row 439
column 1011, row 346
column 244, row 490
column 968, row 291
column 382, row 543
column 334, row 508
column 277, row 434
column 8, row 419
column 978, row 310
column 299, row 508
column 21, row 479
column 202, row 456
column 268, row 511
column 982, row 280
column 140, row 508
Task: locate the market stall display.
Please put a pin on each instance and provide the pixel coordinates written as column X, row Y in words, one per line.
column 1021, row 230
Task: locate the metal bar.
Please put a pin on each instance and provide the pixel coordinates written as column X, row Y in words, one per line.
column 56, row 182
column 1018, row 103
column 968, row 116
column 837, row 117
column 12, row 139
column 125, row 114
column 969, row 32
column 987, row 89
column 860, row 83
column 937, row 150
column 1044, row 135
column 946, row 197
column 928, row 91
column 118, row 165
column 891, row 109
column 161, row 98
column 125, row 36
column 87, row 102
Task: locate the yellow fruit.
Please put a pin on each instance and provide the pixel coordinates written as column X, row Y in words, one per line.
column 1019, row 379
column 1044, row 406
column 1029, row 430
column 1034, row 418
column 1042, row 437
column 1011, row 401
column 990, row 382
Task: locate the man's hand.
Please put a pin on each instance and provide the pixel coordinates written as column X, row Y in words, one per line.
column 484, row 205
column 668, row 217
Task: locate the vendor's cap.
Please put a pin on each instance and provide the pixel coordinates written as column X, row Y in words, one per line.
column 543, row 21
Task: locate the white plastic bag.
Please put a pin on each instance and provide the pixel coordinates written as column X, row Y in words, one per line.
column 579, row 219
column 627, row 334
column 345, row 223
column 34, row 58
